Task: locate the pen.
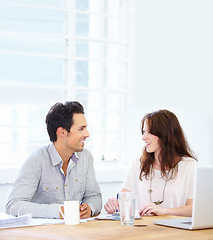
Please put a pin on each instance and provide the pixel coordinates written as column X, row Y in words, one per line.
column 81, row 203
column 117, row 199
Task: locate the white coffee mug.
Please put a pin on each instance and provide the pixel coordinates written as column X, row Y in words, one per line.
column 71, row 213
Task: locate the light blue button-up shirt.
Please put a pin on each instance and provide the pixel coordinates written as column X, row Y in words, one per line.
column 42, row 186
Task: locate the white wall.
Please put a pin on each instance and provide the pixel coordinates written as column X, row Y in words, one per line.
column 174, row 69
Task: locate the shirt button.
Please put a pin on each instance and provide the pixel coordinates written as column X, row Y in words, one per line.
column 76, row 179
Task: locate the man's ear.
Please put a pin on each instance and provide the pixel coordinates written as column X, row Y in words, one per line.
column 60, row 132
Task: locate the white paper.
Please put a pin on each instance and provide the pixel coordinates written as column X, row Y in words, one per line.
column 115, row 216
column 7, row 220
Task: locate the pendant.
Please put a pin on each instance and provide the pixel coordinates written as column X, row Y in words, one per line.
column 150, row 190
column 158, row 202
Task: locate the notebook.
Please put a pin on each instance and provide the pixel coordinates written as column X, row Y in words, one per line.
column 202, row 212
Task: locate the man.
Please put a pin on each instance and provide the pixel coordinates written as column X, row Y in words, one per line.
column 58, row 172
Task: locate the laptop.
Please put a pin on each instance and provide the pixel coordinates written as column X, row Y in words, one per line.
column 202, row 212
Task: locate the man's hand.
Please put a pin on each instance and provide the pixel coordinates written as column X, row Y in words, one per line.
column 62, row 209
column 85, row 210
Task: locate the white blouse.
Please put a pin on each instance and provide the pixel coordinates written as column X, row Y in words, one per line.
column 177, row 190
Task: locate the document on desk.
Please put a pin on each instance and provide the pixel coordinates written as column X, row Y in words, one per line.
column 45, row 221
column 115, row 216
column 8, row 221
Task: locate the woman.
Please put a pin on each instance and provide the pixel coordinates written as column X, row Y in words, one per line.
column 163, row 178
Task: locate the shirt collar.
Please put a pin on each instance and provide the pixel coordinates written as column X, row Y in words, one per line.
column 54, row 155
column 74, row 158
column 56, row 158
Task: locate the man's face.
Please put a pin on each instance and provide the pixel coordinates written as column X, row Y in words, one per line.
column 78, row 133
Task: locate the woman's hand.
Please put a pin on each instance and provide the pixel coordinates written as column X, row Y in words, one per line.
column 112, row 205
column 151, row 208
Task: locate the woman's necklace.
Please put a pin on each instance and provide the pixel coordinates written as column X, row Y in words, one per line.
column 150, row 192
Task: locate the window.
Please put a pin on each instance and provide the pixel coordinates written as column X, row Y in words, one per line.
column 62, row 50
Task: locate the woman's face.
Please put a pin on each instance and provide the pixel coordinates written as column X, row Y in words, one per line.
column 151, row 141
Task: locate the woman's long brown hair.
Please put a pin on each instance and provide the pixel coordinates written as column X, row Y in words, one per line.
column 173, row 143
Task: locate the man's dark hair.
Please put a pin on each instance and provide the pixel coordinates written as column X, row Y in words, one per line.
column 61, row 115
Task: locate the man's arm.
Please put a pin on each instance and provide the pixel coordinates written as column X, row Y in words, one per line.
column 23, row 190
column 37, row 210
column 92, row 194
